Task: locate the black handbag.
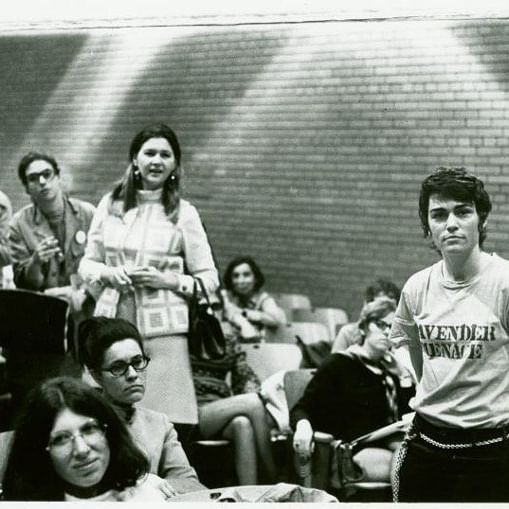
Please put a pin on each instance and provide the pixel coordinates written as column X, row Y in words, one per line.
column 344, row 470
column 205, row 338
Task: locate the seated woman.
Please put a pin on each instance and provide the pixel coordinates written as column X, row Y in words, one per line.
column 350, row 334
column 356, row 392
column 113, row 352
column 234, row 411
column 71, row 445
column 246, row 306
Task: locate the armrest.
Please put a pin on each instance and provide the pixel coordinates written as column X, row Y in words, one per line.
column 322, row 438
column 314, row 471
column 320, row 469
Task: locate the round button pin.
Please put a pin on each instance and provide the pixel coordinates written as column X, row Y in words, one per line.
column 80, row 237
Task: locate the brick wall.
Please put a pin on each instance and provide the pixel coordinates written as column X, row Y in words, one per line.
column 304, row 144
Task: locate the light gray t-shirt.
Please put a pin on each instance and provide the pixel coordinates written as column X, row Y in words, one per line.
column 463, row 329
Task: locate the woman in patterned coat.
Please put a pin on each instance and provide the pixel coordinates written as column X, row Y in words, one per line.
column 145, row 247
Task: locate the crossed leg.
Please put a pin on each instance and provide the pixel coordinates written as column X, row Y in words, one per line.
column 242, row 419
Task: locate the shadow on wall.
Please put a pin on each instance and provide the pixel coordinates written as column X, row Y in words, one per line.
column 285, row 143
column 487, row 41
column 32, row 67
column 183, row 87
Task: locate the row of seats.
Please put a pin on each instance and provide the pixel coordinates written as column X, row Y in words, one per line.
column 299, row 310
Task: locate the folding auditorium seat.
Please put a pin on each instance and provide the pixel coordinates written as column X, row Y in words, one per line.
column 332, row 318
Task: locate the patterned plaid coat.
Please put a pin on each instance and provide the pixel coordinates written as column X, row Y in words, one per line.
column 145, row 236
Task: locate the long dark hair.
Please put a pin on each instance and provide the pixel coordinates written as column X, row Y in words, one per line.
column 258, row 275
column 125, row 189
column 30, row 474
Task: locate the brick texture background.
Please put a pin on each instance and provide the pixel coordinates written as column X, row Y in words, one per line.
column 304, row 144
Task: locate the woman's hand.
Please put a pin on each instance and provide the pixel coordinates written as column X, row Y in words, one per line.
column 154, row 482
column 62, row 292
column 248, row 331
column 153, row 278
column 117, row 278
column 253, row 315
column 162, row 485
column 303, row 438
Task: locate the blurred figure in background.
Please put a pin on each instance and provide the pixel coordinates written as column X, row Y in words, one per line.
column 6, row 275
column 246, row 306
column 350, row 334
column 48, row 237
column 112, row 350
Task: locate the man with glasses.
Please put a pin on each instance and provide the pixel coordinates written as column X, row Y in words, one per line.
column 48, row 237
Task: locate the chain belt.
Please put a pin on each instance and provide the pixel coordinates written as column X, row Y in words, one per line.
column 479, row 443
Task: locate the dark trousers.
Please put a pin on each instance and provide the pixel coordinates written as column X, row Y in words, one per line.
column 430, row 473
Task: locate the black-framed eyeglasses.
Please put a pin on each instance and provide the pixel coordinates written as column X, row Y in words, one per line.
column 62, row 442
column 383, row 326
column 120, row 368
column 34, row 178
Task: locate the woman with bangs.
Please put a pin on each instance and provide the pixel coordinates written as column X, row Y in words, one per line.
column 70, row 445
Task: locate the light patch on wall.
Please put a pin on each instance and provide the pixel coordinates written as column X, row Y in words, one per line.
column 118, row 59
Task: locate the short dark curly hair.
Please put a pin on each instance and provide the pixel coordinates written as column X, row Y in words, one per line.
column 385, row 286
column 258, row 275
column 458, row 184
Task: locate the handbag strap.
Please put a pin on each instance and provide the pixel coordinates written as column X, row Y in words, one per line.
column 198, row 281
column 214, row 258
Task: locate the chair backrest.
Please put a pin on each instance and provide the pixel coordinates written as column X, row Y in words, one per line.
column 265, row 359
column 310, row 332
column 33, row 332
column 295, row 383
column 282, row 334
column 332, row 318
column 33, row 322
column 291, row 301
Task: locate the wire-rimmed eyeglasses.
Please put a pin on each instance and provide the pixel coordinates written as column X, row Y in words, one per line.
column 61, row 443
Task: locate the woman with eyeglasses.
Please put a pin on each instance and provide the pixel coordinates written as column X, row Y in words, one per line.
column 112, row 349
column 357, row 391
column 145, row 246
column 70, row 445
